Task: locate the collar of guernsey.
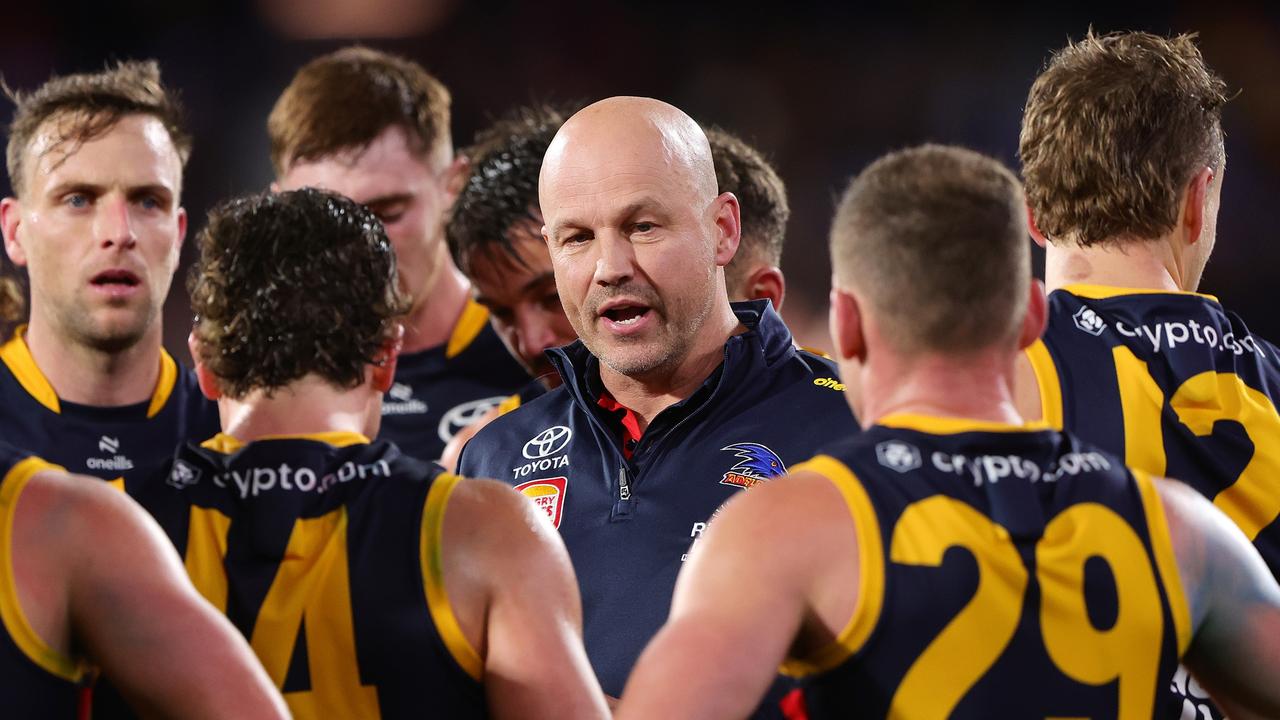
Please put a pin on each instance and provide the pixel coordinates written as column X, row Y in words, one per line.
column 228, row 444
column 17, row 357
column 766, row 340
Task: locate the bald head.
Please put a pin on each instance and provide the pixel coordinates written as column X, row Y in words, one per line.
column 623, row 131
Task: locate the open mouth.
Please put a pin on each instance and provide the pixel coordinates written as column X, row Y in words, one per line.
column 115, row 279
column 625, row 315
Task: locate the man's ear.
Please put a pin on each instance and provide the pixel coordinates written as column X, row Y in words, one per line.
column 1193, row 204
column 846, row 326
column 10, row 221
column 1033, row 323
column 1034, row 229
column 765, row 281
column 455, row 176
column 384, row 365
column 182, row 226
column 728, row 219
column 204, row 376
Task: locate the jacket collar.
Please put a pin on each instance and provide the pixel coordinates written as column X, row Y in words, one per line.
column 766, row 342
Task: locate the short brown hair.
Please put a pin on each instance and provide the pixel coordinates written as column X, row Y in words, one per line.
column 347, row 98
column 95, row 102
column 936, row 238
column 762, row 197
column 291, row 284
column 1114, row 129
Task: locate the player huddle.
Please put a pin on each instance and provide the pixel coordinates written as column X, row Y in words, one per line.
column 988, row 503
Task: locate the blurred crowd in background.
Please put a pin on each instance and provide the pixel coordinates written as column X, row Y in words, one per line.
column 821, row 87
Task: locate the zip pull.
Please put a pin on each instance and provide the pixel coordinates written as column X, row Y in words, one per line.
column 624, row 505
column 624, row 484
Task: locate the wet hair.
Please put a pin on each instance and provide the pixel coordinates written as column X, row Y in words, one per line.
column 293, row 284
column 743, row 170
column 502, row 188
column 346, row 99
column 935, row 237
column 1114, row 129
column 92, row 104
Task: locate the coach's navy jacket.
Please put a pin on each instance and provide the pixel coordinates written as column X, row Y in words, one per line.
column 629, row 524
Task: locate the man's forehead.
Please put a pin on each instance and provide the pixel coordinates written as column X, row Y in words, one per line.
column 612, row 185
column 56, row 152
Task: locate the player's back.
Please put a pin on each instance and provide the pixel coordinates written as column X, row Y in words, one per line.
column 324, row 551
column 1177, row 386
column 35, row 680
column 1004, row 572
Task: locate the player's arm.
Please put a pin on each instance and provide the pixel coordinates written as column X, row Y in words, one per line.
column 1234, row 604
column 750, row 588
column 512, row 588
column 132, row 609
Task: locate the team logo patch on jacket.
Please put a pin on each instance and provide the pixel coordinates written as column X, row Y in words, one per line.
column 548, row 495
column 758, row 464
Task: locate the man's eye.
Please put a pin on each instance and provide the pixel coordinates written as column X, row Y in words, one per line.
column 151, row 202
column 643, row 227
column 388, row 218
column 77, row 200
column 552, row 301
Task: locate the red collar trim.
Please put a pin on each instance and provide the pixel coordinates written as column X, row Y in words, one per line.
column 630, row 422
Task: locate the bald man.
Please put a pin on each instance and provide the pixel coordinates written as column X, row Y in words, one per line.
column 673, row 400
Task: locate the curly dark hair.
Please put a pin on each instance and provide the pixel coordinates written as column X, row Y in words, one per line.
column 292, row 284
column 502, row 189
column 743, row 170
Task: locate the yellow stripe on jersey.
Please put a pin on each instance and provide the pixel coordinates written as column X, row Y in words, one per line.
column 227, row 444
column 207, row 553
column 1102, row 292
column 1047, row 381
column 1141, row 402
column 17, row 356
column 866, row 611
column 509, row 404
column 938, row 425
column 469, row 325
column 1166, row 561
column 15, row 621
column 164, row 385
column 432, row 557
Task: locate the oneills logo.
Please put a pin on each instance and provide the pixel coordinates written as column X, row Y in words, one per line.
column 548, row 495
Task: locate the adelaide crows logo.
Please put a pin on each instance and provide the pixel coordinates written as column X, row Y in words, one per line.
column 758, row 464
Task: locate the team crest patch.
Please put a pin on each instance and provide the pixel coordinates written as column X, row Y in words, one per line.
column 548, row 495
column 757, row 465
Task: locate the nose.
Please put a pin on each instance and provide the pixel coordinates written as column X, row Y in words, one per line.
column 534, row 334
column 616, row 263
column 113, row 224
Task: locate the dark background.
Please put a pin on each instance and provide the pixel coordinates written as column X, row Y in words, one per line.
column 822, row 88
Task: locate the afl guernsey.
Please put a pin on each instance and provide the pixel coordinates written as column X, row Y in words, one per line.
column 324, row 550
column 1004, row 572
column 126, row 441
column 441, row 390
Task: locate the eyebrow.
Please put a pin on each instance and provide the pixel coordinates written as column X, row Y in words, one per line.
column 627, row 211
column 95, row 189
column 540, row 279
column 391, row 199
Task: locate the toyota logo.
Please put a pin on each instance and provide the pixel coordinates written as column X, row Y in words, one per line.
column 463, row 415
column 548, row 442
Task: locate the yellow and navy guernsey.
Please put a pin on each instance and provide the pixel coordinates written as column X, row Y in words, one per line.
column 1175, row 385
column 1003, row 572
column 35, row 680
column 324, row 550
column 126, row 441
column 441, row 390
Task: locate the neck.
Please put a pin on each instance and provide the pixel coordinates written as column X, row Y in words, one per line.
column 650, row 394
column 436, row 312
column 307, row 406
column 977, row 387
column 85, row 375
column 1144, row 264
